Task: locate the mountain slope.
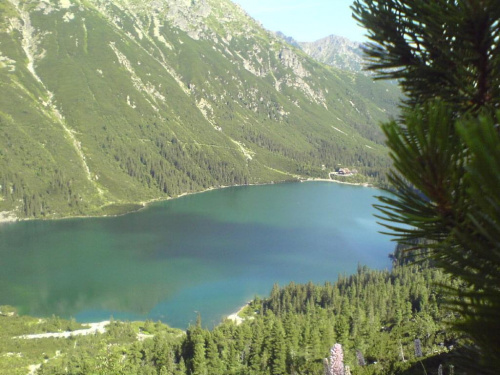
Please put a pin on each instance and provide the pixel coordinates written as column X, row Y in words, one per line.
column 112, row 103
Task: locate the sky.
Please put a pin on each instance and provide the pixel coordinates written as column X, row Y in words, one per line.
column 305, row 20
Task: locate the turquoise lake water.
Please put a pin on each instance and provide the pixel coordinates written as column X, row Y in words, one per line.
column 208, row 253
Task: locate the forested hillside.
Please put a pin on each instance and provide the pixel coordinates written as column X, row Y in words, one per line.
column 375, row 315
column 104, row 105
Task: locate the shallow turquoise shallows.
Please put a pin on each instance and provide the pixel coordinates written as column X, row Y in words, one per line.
column 206, row 253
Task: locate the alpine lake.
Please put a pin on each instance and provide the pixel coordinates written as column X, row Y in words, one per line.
column 205, row 253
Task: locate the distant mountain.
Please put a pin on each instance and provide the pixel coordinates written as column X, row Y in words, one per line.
column 336, row 51
column 287, row 39
column 332, row 50
column 106, row 104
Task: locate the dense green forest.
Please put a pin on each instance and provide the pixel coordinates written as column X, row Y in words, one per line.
column 375, row 315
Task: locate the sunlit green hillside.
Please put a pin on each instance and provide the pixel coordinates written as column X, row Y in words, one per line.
column 104, row 105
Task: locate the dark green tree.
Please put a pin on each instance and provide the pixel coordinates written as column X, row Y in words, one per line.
column 445, row 147
column 214, row 363
column 446, row 49
column 278, row 350
column 199, row 365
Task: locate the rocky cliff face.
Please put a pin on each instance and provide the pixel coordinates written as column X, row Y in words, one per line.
column 111, row 103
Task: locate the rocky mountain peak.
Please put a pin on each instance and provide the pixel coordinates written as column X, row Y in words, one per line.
column 336, row 51
column 333, row 50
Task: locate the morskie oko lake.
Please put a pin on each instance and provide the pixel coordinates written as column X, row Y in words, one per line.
column 205, row 253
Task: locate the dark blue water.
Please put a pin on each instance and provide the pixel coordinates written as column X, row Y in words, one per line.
column 207, row 253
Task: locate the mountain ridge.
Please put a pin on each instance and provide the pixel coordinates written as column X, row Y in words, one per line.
column 333, row 50
column 107, row 104
column 337, row 51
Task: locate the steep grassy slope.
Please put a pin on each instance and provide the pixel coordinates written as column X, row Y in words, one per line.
column 113, row 103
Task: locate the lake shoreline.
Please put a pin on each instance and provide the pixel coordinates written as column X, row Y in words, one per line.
column 100, row 326
column 235, row 317
column 363, row 184
column 95, row 327
column 10, row 217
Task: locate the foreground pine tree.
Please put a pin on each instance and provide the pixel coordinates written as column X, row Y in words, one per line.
column 446, row 146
